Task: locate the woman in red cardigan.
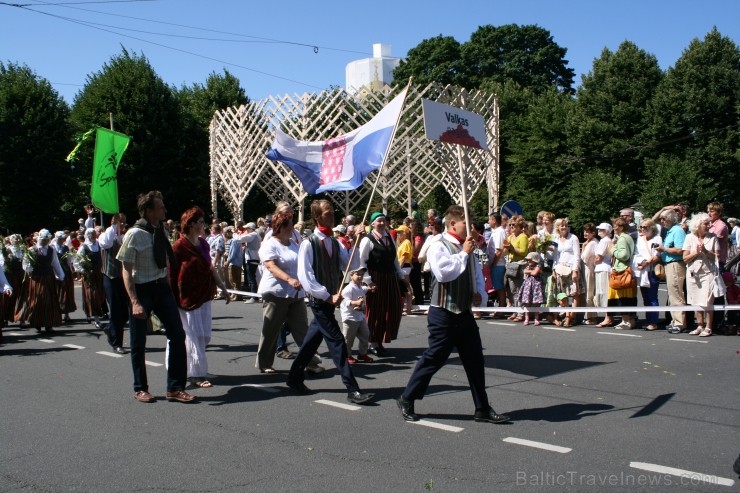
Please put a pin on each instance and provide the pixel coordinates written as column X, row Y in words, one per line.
column 194, row 280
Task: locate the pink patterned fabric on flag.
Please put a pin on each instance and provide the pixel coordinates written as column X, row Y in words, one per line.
column 332, row 159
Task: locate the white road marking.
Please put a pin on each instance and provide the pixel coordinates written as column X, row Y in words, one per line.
column 439, row 426
column 271, row 390
column 48, row 341
column 540, row 445
column 503, row 323
column 108, row 353
column 152, row 363
column 683, row 473
column 340, row 405
column 73, row 346
column 14, row 333
column 688, row 340
column 559, row 328
column 618, row 334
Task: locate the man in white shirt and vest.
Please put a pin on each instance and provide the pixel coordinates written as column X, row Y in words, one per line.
column 459, row 287
column 321, row 263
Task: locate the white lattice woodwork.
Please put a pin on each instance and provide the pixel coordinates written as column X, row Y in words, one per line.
column 240, row 138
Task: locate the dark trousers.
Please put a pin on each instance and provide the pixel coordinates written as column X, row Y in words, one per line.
column 157, row 297
column 250, row 276
column 416, row 287
column 447, row 331
column 115, row 294
column 323, row 326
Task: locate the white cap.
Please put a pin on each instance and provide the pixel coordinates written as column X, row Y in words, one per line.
column 605, row 226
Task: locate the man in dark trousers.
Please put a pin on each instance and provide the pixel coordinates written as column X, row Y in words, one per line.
column 459, row 287
column 144, row 254
column 115, row 291
column 321, row 264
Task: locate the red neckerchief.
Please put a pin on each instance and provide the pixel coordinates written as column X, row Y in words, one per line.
column 461, row 240
column 325, row 230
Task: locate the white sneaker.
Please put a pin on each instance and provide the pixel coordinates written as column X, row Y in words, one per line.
column 249, row 300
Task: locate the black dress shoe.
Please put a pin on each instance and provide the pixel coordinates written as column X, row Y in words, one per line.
column 299, row 388
column 490, row 416
column 358, row 397
column 407, row 409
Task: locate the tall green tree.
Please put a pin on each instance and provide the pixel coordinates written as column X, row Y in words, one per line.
column 611, row 118
column 527, row 55
column 540, row 176
column 696, row 111
column 35, row 137
column 434, row 59
column 145, row 108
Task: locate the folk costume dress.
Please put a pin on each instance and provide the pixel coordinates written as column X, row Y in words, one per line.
column 65, row 287
column 42, row 301
column 384, row 306
column 94, row 303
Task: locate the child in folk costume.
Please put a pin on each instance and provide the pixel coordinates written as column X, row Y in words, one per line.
column 7, row 291
column 531, row 293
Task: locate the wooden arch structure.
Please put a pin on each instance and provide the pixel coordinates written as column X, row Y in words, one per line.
column 240, row 138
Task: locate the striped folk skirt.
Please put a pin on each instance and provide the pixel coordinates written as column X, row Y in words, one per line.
column 383, row 307
column 42, row 303
column 94, row 303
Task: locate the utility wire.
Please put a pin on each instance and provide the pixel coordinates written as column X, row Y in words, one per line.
column 257, row 39
column 92, row 26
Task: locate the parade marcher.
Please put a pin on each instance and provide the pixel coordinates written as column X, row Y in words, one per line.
column 7, row 291
column 42, row 302
column 66, row 287
column 90, row 263
column 15, row 305
column 144, row 254
column 281, row 292
column 252, row 241
column 115, row 292
column 459, row 287
column 354, row 322
column 384, row 306
column 194, row 279
column 321, row 263
column 235, row 266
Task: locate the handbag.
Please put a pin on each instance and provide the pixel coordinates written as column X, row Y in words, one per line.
column 621, row 280
column 659, row 270
column 513, row 269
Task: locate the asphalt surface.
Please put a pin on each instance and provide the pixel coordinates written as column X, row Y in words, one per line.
column 592, row 410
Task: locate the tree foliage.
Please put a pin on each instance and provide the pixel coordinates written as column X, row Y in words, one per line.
column 145, row 108
column 527, row 55
column 434, row 59
column 34, row 178
column 611, row 118
column 696, row 111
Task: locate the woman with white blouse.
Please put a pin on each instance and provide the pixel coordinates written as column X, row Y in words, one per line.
column 567, row 267
column 700, row 251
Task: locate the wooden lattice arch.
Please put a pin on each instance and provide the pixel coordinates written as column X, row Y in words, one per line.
column 240, row 138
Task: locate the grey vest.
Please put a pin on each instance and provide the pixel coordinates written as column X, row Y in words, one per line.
column 456, row 296
column 325, row 268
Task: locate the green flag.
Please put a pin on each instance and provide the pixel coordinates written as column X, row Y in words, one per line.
column 109, row 147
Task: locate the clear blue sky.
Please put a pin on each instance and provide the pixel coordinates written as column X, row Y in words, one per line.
column 268, row 45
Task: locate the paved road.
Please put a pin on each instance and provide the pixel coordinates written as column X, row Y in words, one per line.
column 593, row 410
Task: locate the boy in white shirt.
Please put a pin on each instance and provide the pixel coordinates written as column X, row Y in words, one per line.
column 354, row 323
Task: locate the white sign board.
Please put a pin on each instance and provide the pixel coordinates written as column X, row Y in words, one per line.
column 453, row 125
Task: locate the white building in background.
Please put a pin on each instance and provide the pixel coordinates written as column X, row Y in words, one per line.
column 377, row 70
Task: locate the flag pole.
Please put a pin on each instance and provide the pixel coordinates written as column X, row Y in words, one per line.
column 464, row 185
column 375, row 185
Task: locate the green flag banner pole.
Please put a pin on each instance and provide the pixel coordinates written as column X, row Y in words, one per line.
column 109, row 148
